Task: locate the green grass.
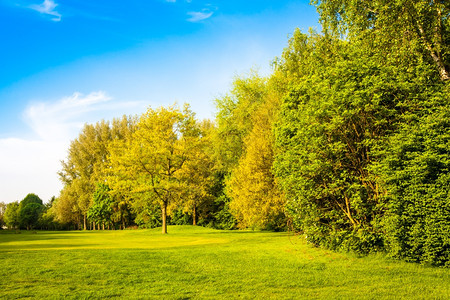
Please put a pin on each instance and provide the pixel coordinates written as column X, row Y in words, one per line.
column 193, row 262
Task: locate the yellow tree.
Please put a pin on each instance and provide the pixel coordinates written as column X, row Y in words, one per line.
column 85, row 165
column 256, row 198
column 156, row 153
column 198, row 172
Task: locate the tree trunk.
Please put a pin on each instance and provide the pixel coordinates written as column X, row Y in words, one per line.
column 84, row 222
column 103, row 225
column 194, row 222
column 164, row 217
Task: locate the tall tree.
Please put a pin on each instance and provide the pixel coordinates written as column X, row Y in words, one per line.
column 256, row 198
column 156, row 153
column 198, row 172
column 403, row 26
column 234, row 112
column 87, row 161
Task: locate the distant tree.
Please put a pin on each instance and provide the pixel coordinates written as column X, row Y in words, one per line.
column 31, row 198
column 29, row 215
column 30, row 209
column 47, row 220
column 86, row 164
column 66, row 208
column 102, row 209
column 11, row 216
column 198, row 173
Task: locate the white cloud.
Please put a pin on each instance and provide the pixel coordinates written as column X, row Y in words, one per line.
column 48, row 7
column 196, row 16
column 59, row 120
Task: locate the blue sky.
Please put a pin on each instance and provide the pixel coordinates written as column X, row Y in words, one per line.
column 64, row 63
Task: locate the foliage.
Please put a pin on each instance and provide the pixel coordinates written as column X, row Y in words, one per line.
column 86, row 165
column 102, row 209
column 326, row 126
column 399, row 27
column 256, row 199
column 31, row 198
column 30, row 209
column 234, row 112
column 222, row 218
column 11, row 215
column 355, row 137
column 244, row 146
column 198, row 177
column 156, row 154
column 414, row 167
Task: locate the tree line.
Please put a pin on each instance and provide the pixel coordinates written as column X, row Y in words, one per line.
column 347, row 141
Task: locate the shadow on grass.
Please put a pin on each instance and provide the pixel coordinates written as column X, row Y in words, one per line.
column 9, row 248
column 7, row 236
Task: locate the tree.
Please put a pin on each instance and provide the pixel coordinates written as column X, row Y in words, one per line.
column 29, row 215
column 413, row 167
column 11, row 216
column 327, row 127
column 66, row 208
column 256, row 198
column 87, row 161
column 30, row 209
column 102, row 209
column 197, row 172
column 31, row 198
column 397, row 27
column 234, row 118
column 156, row 153
column 244, row 148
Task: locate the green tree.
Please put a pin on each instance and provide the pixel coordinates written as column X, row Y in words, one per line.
column 29, row 215
column 410, row 40
column 395, row 27
column 11, row 215
column 414, row 167
column 31, row 198
column 30, row 209
column 102, row 209
column 328, row 123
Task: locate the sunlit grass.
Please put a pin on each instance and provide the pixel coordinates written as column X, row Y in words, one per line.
column 192, row 262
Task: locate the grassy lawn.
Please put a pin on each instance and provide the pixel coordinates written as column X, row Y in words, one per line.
column 193, row 262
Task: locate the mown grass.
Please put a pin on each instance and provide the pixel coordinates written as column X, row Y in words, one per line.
column 193, row 262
